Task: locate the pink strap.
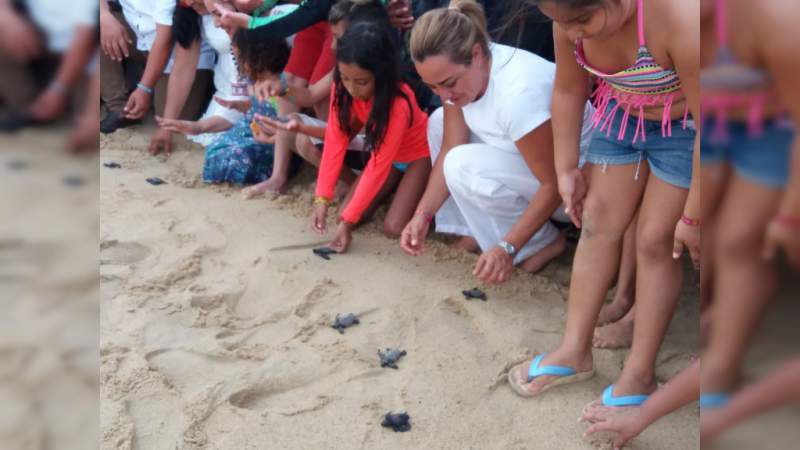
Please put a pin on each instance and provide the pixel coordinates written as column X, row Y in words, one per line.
column 640, row 20
column 721, row 23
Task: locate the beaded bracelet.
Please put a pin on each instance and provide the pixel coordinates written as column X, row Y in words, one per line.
column 786, row 221
column 689, row 221
column 144, row 88
column 427, row 216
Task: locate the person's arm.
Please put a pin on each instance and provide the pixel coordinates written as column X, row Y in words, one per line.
column 306, row 97
column 18, row 36
column 141, row 99
column 685, row 52
column 780, row 387
column 455, row 132
column 537, row 149
column 51, row 102
column 310, row 130
column 683, row 389
column 213, row 124
column 332, row 156
column 307, row 14
column 783, row 66
column 571, row 89
column 180, row 83
column 380, row 164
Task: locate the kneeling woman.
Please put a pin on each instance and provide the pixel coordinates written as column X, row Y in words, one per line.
column 368, row 95
column 494, row 179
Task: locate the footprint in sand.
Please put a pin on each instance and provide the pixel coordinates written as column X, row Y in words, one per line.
column 268, row 398
column 114, row 252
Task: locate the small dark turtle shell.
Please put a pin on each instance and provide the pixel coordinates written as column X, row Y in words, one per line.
column 399, row 422
column 474, row 293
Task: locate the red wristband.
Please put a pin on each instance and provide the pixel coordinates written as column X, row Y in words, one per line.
column 786, row 221
column 689, row 221
column 427, row 216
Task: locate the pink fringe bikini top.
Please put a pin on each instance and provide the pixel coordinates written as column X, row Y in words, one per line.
column 728, row 84
column 644, row 84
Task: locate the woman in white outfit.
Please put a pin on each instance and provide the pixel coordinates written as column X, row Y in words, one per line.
column 494, row 179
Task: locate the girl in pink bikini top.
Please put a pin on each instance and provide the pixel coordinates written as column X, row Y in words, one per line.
column 730, row 85
column 644, row 84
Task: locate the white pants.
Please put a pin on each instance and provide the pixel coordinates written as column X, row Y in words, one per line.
column 489, row 188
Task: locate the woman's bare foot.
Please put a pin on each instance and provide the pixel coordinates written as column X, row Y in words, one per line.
column 536, row 262
column 467, row 244
column 615, row 335
column 274, row 184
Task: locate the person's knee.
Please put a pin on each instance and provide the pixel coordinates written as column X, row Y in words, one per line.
column 392, row 227
column 654, row 240
column 598, row 220
column 738, row 240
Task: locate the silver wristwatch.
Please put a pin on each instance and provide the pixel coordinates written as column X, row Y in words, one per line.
column 508, row 248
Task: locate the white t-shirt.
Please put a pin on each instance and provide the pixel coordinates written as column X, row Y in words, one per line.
column 144, row 15
column 58, row 19
column 517, row 99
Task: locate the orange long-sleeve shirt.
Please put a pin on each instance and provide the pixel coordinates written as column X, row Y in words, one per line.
column 402, row 143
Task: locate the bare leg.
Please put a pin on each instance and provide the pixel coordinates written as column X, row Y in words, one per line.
column 659, row 279
column 407, row 196
column 626, row 281
column 284, row 143
column 617, row 334
column 383, row 193
column 537, row 262
column 744, row 282
column 609, row 208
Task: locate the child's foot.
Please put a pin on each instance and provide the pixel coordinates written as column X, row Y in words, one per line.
column 582, row 364
column 615, row 335
column 274, row 184
column 536, row 262
column 614, row 311
column 625, row 386
column 467, row 244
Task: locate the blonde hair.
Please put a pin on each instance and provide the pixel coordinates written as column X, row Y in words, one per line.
column 453, row 31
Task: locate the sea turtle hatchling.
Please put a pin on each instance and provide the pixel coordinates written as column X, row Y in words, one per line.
column 397, row 421
column 390, row 357
column 342, row 322
column 324, row 252
column 474, row 293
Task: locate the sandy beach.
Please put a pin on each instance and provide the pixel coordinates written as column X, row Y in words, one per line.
column 215, row 337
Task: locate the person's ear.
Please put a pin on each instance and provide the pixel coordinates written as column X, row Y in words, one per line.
column 477, row 52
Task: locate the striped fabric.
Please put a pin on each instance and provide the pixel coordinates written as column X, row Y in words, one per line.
column 645, row 84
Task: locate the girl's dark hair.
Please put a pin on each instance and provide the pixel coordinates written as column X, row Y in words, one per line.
column 257, row 55
column 185, row 26
column 371, row 47
column 359, row 10
column 572, row 4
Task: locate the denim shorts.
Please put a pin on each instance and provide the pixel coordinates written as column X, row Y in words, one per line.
column 762, row 157
column 669, row 157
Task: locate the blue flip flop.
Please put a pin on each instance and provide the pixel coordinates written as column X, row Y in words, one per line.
column 624, row 400
column 567, row 375
column 714, row 400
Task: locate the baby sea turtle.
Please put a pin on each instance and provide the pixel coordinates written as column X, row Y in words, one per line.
column 17, row 164
column 390, row 357
column 474, row 293
column 155, row 181
column 324, row 252
column 343, row 322
column 397, row 421
column 112, row 165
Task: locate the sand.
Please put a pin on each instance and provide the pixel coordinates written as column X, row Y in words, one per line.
column 49, row 329
column 211, row 340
